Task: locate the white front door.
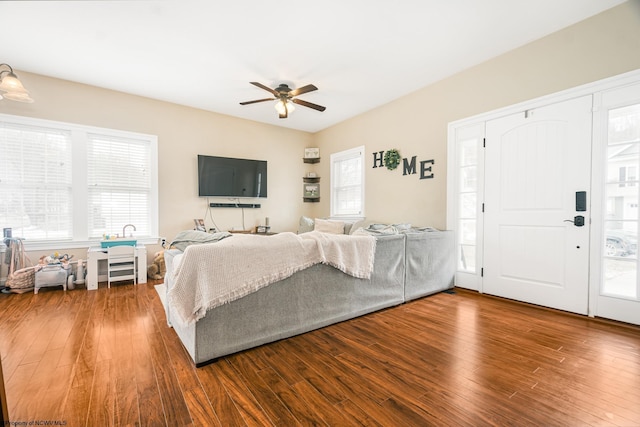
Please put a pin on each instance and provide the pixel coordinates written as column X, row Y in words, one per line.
column 536, row 164
column 616, row 270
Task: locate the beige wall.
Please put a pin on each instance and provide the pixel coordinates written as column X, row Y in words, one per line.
column 605, row 45
column 416, row 125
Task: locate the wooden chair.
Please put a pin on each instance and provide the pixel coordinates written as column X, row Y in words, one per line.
column 121, row 264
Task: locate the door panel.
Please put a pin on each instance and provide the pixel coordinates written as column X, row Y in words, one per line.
column 535, row 163
column 536, row 246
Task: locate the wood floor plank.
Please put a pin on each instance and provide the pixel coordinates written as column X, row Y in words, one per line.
column 242, row 396
column 313, row 374
column 288, row 396
column 570, row 390
column 457, row 409
column 150, row 404
column 383, row 372
column 21, row 375
column 75, row 408
column 321, row 406
column 274, row 356
column 101, row 408
column 200, row 408
column 22, row 338
column 349, row 382
column 225, row 410
column 173, row 402
column 380, row 413
column 107, row 357
column 557, row 413
column 357, row 414
column 271, row 404
column 344, row 377
column 83, row 307
column 408, row 413
column 57, row 390
column 127, row 410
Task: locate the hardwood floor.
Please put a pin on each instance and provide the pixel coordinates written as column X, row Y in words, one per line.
column 106, row 357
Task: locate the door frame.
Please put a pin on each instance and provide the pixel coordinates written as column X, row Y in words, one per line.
column 474, row 280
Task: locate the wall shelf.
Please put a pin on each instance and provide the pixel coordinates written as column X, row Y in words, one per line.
column 311, row 184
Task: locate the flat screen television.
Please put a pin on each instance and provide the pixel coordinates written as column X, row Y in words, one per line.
column 231, row 177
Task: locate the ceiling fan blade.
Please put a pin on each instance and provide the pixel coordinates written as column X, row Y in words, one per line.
column 303, row 89
column 257, row 100
column 268, row 89
column 309, row 104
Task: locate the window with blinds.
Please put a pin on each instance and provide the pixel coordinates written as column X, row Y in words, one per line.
column 65, row 182
column 347, row 183
column 36, row 181
column 119, row 184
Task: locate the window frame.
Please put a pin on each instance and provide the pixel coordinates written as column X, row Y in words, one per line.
column 79, row 140
column 352, row 153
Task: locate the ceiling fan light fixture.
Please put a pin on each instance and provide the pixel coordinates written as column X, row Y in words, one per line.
column 13, row 87
column 17, row 96
column 11, row 83
column 284, row 110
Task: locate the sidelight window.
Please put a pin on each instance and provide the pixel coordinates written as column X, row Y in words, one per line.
column 622, row 219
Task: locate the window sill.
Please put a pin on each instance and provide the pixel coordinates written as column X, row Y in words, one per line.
column 69, row 244
column 347, row 218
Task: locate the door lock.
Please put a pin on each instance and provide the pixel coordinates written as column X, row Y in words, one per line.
column 578, row 221
column 581, row 201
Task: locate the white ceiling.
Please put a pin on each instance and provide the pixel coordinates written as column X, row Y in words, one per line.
column 203, row 53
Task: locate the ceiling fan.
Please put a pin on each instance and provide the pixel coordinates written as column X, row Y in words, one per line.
column 285, row 97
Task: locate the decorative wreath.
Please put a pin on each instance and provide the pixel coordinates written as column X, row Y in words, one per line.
column 392, row 159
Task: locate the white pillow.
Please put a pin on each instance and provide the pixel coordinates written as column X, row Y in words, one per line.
column 329, row 226
column 305, row 225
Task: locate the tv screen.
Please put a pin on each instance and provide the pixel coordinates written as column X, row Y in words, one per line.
column 231, row 177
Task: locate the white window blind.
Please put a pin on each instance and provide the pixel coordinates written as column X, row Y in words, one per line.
column 347, row 183
column 119, row 184
column 36, row 181
column 61, row 182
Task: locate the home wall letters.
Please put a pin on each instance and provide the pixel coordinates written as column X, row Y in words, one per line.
column 408, row 166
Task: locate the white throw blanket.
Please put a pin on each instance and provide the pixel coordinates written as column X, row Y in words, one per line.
column 352, row 255
column 210, row 275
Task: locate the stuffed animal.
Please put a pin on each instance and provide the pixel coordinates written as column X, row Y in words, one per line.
column 157, row 269
column 55, row 258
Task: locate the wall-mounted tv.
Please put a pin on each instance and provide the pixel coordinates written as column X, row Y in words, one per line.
column 231, row 177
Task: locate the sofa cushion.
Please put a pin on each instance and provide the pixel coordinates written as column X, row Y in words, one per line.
column 329, row 226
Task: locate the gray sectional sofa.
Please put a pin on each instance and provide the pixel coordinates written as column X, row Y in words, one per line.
column 406, row 266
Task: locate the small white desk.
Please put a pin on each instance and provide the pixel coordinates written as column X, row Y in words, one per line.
column 95, row 254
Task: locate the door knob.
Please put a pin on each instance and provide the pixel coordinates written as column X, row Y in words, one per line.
column 578, row 221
